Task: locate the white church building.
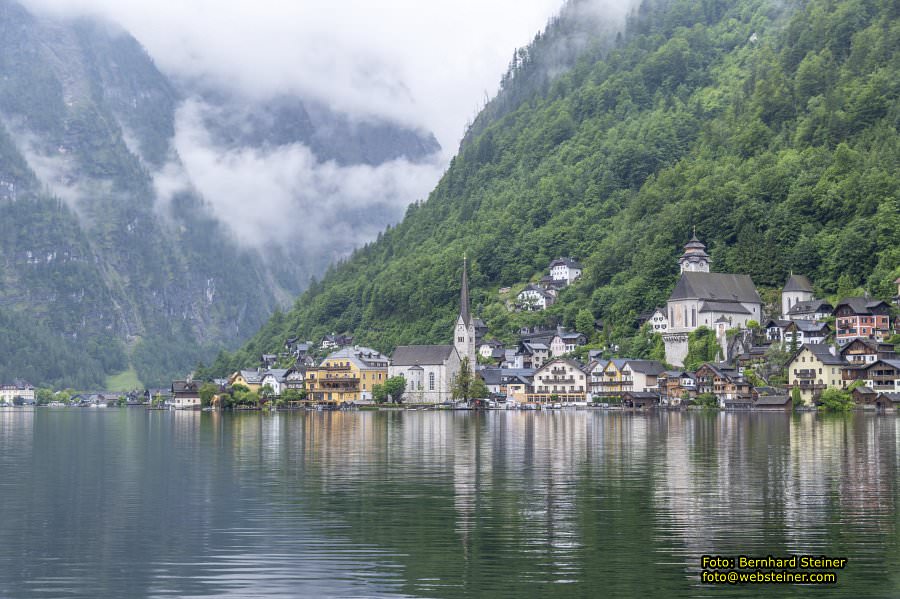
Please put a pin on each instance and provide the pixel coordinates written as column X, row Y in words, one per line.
column 719, row 301
column 430, row 370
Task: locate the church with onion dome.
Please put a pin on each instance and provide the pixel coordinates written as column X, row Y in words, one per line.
column 718, row 301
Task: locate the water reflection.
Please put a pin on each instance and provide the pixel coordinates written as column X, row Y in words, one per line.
column 134, row 503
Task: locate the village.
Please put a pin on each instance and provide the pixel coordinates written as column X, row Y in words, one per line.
column 812, row 354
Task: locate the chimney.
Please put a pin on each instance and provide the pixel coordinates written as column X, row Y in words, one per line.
column 832, row 349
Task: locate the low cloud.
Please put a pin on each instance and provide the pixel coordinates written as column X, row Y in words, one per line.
column 423, row 64
column 284, row 195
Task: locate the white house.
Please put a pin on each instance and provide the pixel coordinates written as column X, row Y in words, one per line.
column 565, row 342
column 486, row 349
column 658, row 322
column 595, row 370
column 18, row 390
column 276, row 379
column 535, row 297
column 429, row 371
column 565, row 269
column 642, row 374
column 559, row 380
column 797, row 289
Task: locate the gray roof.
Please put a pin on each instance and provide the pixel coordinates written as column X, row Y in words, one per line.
column 811, row 326
column 571, row 263
column 278, row 373
column 362, row 357
column 895, row 364
column 727, row 307
column 772, row 400
column 715, row 286
column 860, row 305
column 491, row 376
column 822, row 352
column 775, row 322
column 798, row 283
column 651, row 367
column 569, row 361
column 810, row 307
column 416, row 355
column 893, row 397
column 251, row 376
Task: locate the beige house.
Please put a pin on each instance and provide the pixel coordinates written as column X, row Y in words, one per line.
column 559, row 380
column 814, row 368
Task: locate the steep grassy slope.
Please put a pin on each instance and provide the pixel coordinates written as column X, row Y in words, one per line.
column 770, row 126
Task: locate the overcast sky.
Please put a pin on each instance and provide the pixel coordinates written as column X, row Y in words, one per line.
column 423, row 62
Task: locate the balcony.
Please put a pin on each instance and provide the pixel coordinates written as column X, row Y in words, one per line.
column 805, row 374
column 334, row 368
column 809, row 385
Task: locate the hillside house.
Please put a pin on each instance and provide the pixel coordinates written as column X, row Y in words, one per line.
column 659, row 323
column 565, row 342
column 565, row 269
column 862, row 317
column 535, row 297
column 797, row 290
column 335, row 341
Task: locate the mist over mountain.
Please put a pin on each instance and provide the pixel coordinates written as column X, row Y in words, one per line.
column 150, row 221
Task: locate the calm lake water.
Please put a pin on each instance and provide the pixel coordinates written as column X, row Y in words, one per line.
column 130, row 503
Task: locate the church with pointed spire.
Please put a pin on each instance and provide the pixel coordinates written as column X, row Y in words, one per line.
column 464, row 333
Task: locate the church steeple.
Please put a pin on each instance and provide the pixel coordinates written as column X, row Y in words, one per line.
column 464, row 295
column 694, row 258
column 464, row 333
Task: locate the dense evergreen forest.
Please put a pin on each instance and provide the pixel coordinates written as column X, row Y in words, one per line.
column 770, row 126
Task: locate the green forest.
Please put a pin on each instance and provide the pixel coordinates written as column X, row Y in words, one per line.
column 769, row 126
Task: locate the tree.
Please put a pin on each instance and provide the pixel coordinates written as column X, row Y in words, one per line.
column 267, row 392
column 796, row 400
column 836, row 400
column 43, row 396
column 394, row 388
column 467, row 385
column 707, row 400
column 584, row 323
column 378, row 393
column 207, row 392
column 702, row 347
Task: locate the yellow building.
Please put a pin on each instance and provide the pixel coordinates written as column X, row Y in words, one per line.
column 252, row 379
column 813, row 369
column 348, row 374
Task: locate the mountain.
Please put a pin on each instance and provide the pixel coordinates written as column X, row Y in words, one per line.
column 770, row 126
column 106, row 262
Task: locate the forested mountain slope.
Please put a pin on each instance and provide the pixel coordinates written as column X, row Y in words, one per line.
column 98, row 271
column 770, row 126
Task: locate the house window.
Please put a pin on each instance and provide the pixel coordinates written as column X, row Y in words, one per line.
column 460, row 339
column 431, row 381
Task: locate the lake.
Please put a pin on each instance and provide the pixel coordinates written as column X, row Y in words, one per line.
column 135, row 503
